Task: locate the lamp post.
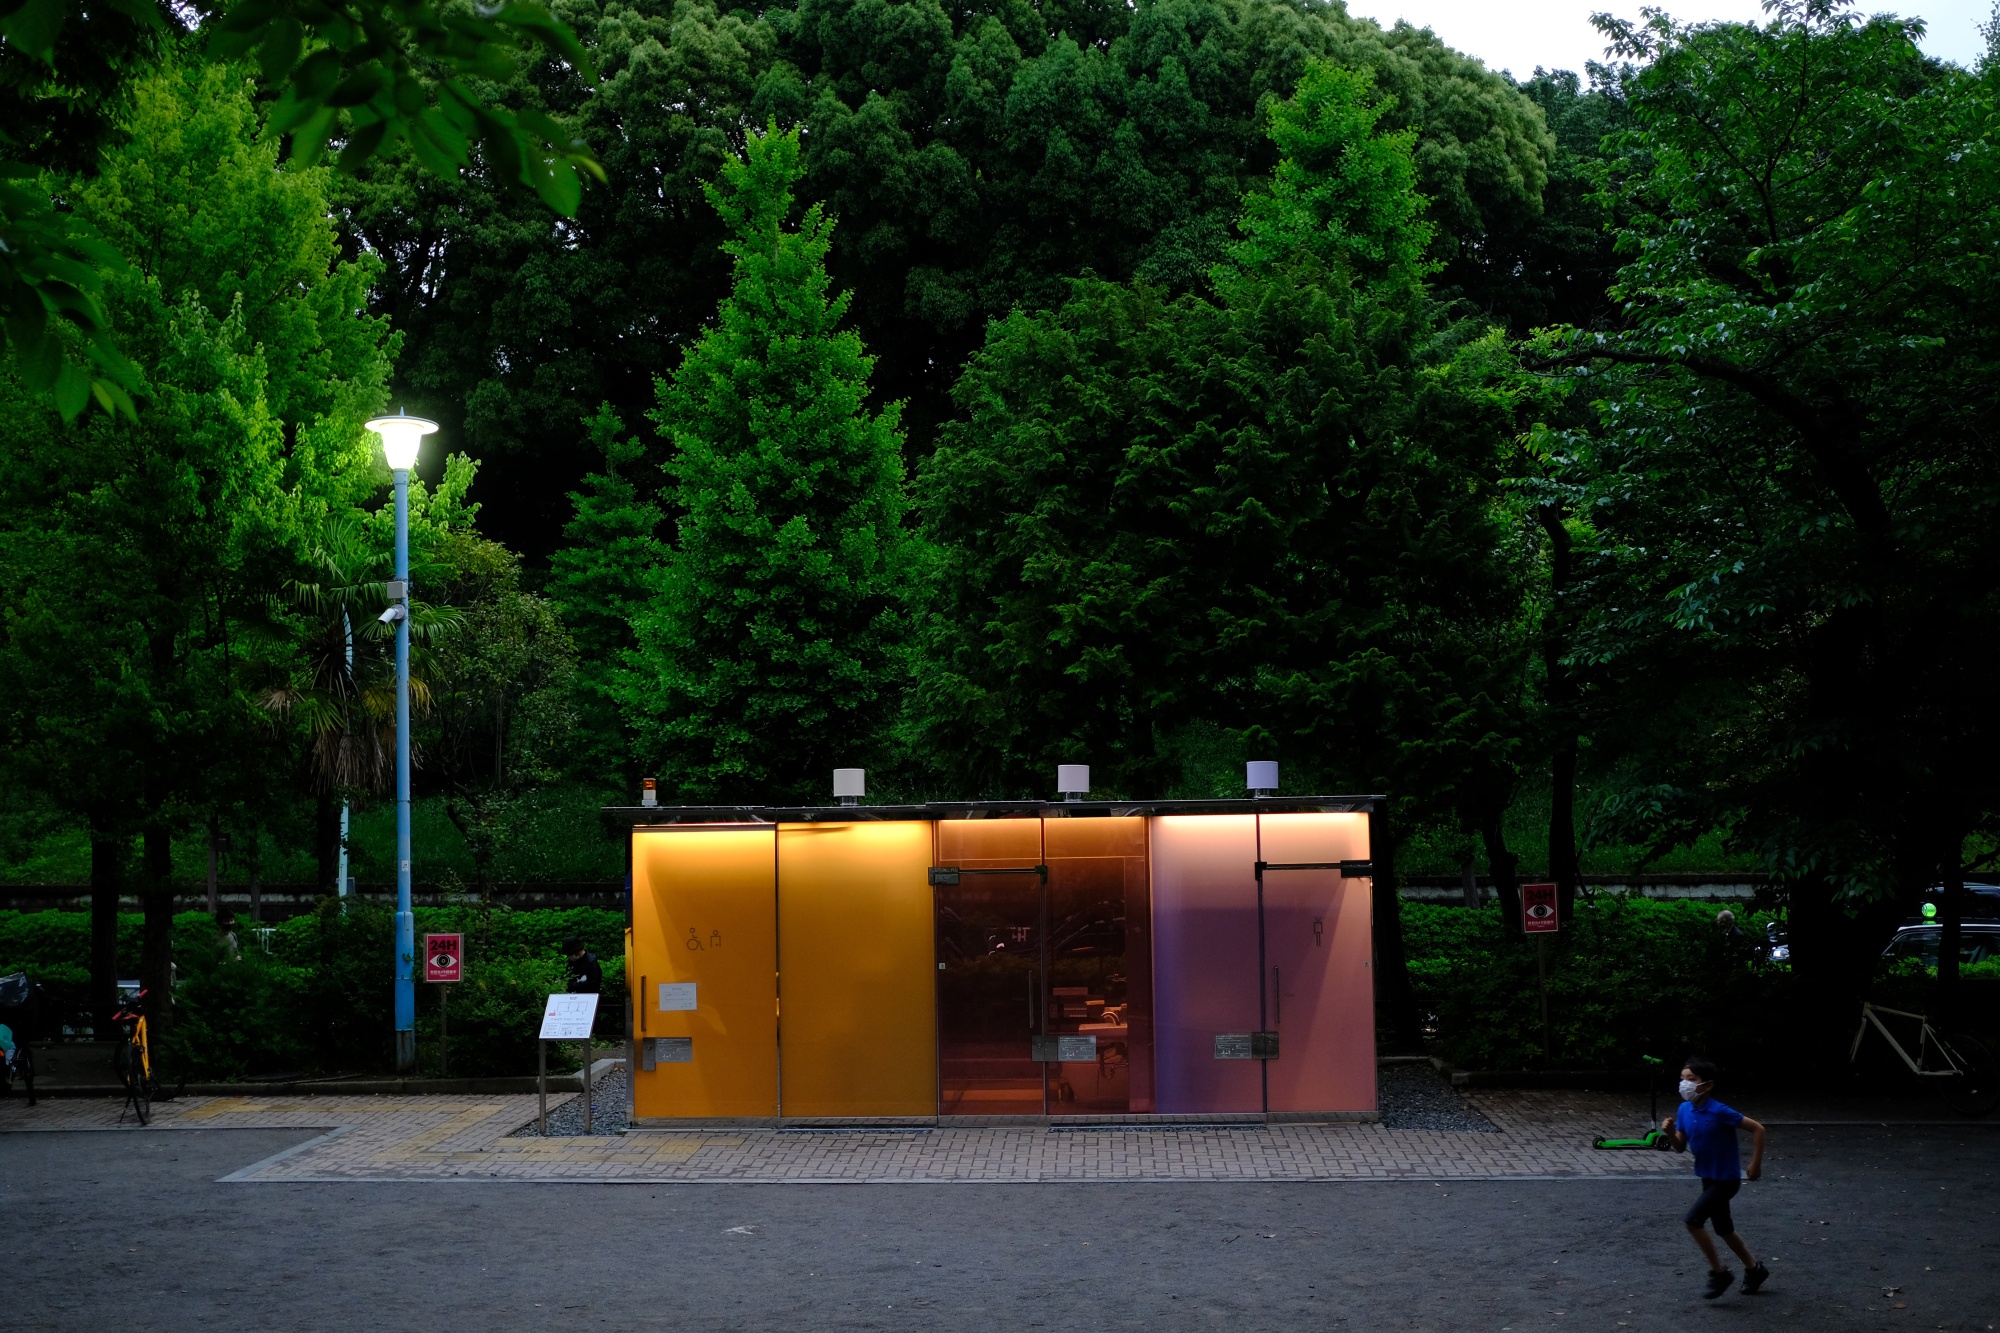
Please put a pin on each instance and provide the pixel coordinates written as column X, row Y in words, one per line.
column 401, row 435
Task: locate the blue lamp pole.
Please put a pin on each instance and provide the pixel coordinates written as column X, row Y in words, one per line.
column 401, row 435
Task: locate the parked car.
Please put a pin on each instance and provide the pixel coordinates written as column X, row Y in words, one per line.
column 1979, row 942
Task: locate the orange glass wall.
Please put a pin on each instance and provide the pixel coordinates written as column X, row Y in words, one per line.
column 704, row 911
column 856, row 981
column 1319, row 949
column 1101, row 944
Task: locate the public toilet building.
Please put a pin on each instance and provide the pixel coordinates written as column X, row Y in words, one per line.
column 985, row 962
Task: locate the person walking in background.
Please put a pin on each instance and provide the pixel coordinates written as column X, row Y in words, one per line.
column 1706, row 1127
column 586, row 974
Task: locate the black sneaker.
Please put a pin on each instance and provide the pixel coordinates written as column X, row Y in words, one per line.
column 1718, row 1282
column 1754, row 1278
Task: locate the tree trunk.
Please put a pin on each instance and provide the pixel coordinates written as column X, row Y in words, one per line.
column 1561, row 693
column 107, row 878
column 214, row 865
column 256, row 876
column 1469, row 882
column 1951, row 917
column 156, row 957
column 326, row 842
column 1394, row 1000
column 1501, row 862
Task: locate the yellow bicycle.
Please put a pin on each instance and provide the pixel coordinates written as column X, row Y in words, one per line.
column 134, row 1059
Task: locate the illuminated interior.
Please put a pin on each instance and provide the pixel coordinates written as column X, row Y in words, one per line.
column 1020, row 962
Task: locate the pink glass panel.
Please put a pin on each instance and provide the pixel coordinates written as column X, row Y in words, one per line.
column 1318, row 950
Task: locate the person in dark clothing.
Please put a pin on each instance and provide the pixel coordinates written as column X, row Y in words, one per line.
column 586, row 974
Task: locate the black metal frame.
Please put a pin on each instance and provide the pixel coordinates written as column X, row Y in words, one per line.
column 641, row 816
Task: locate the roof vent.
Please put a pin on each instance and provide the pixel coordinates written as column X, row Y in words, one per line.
column 1073, row 781
column 850, row 785
column 1261, row 777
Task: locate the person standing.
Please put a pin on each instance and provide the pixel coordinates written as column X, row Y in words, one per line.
column 1706, row 1127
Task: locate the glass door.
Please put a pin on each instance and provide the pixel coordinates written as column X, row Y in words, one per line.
column 990, row 886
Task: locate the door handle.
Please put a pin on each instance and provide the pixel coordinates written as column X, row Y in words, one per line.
column 1277, row 999
column 1031, row 1000
column 642, row 1001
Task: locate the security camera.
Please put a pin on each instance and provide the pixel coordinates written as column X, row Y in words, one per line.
column 394, row 614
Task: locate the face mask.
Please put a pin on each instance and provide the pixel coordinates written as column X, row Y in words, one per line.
column 1688, row 1090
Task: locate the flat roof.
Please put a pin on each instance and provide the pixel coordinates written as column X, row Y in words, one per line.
column 652, row 815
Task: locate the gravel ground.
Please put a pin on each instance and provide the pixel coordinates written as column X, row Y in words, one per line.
column 1413, row 1097
column 608, row 1103
column 1416, row 1096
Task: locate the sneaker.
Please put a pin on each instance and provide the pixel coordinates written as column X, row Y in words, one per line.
column 1754, row 1278
column 1718, row 1282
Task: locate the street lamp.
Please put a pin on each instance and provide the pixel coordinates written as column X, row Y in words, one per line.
column 401, row 434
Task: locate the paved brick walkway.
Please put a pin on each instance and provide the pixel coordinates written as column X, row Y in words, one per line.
column 439, row 1138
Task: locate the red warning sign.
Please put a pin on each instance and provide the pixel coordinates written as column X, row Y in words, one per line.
column 444, row 958
column 1538, row 908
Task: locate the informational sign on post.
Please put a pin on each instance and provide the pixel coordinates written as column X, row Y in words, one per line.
column 569, row 1017
column 1540, row 919
column 1538, row 909
column 566, row 1018
column 444, row 958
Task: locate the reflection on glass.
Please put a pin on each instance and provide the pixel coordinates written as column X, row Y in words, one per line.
column 1099, row 965
column 1025, row 956
column 991, row 974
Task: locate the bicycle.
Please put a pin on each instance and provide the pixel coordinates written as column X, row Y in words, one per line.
column 1968, row 1075
column 134, row 1058
column 20, row 1010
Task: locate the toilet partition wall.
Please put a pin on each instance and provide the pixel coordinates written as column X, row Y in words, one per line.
column 1205, row 963
column 1319, row 960
column 1311, row 982
column 857, row 1033
column 704, row 942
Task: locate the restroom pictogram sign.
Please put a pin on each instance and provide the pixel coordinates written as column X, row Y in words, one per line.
column 444, row 957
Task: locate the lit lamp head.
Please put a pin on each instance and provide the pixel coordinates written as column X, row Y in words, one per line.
column 1073, row 781
column 401, row 434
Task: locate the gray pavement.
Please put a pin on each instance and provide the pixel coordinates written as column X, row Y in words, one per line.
column 125, row 1229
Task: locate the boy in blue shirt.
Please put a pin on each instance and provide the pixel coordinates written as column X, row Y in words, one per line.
column 1709, row 1128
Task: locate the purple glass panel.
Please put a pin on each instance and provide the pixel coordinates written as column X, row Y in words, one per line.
column 1205, row 968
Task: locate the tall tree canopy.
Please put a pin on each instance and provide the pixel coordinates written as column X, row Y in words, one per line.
column 1789, row 560
column 1269, row 510
column 768, row 652
column 976, row 158
column 136, row 552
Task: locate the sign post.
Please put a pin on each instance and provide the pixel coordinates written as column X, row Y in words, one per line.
column 1539, row 918
column 444, row 963
column 567, row 1018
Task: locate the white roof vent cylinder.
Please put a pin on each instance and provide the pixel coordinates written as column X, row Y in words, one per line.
column 1073, row 781
column 850, row 785
column 1261, row 777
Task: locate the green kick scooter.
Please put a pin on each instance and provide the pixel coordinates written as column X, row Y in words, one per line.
column 1655, row 1137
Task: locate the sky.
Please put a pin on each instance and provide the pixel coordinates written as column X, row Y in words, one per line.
column 1556, row 34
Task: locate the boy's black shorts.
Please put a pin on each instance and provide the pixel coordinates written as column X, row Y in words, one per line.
column 1713, row 1205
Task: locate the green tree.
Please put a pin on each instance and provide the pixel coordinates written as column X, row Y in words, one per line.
column 1788, row 490
column 768, row 650
column 136, row 554
column 598, row 585
column 1271, row 514
column 976, row 157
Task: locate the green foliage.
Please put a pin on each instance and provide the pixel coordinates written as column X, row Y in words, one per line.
column 598, row 582
column 1783, row 503
column 767, row 654
column 318, row 995
column 977, row 158
column 1271, row 513
column 1627, row 977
